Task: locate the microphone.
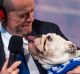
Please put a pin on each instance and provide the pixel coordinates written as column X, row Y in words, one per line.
column 15, row 47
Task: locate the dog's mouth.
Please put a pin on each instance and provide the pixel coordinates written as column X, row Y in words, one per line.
column 37, row 46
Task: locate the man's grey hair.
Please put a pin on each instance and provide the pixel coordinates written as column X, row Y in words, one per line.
column 7, row 5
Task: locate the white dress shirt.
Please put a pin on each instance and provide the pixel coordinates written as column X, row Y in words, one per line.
column 30, row 62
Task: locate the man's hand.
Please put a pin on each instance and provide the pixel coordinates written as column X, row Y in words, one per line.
column 75, row 71
column 12, row 69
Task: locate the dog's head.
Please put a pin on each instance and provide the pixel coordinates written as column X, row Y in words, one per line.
column 52, row 49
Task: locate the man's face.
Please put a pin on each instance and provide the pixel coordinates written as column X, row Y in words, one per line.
column 21, row 17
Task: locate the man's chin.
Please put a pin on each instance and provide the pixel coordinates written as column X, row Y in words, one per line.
column 26, row 32
column 23, row 34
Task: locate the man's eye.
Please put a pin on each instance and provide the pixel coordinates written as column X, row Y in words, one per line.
column 22, row 16
column 49, row 38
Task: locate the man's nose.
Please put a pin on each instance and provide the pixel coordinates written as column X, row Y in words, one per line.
column 30, row 17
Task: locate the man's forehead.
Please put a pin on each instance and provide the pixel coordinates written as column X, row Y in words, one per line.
column 21, row 4
column 18, row 4
column 21, row 11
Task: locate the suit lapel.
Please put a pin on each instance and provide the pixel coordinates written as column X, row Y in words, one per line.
column 2, row 53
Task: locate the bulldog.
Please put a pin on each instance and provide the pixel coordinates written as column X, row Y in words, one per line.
column 52, row 49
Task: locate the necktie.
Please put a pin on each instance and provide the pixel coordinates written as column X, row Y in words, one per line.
column 2, row 53
column 23, row 66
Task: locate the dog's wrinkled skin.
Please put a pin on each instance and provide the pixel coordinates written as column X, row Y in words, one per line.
column 53, row 49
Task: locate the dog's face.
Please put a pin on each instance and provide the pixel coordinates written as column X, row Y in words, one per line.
column 52, row 49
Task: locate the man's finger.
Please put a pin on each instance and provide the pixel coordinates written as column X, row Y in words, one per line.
column 5, row 65
column 77, row 69
column 15, row 71
column 14, row 66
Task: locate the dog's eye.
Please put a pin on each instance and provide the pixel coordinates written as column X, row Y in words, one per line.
column 49, row 38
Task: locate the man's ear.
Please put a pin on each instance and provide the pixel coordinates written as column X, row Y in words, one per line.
column 2, row 16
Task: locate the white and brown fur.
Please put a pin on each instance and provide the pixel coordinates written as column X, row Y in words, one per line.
column 52, row 49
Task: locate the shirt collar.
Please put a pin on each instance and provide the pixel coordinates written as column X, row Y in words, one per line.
column 25, row 41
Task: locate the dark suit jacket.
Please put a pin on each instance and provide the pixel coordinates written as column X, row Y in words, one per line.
column 41, row 27
column 2, row 53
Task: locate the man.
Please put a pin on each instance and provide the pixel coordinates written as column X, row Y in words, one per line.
column 20, row 21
